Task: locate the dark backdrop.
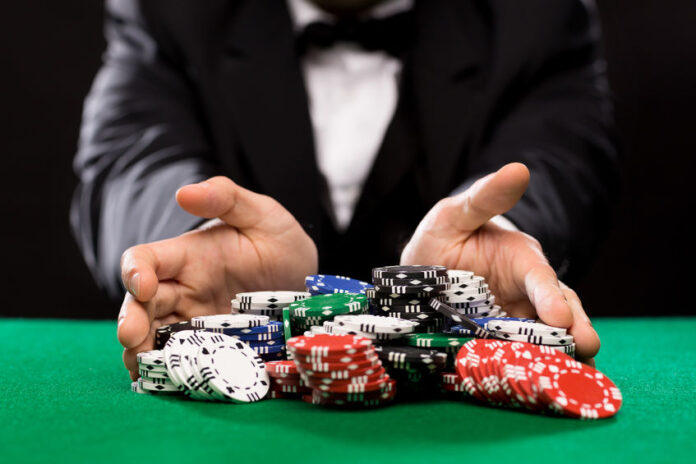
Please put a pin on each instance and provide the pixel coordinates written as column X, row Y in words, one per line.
column 51, row 50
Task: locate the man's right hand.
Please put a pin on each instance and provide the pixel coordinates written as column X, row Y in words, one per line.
column 256, row 245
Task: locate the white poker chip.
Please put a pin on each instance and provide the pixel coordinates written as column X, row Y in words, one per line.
column 337, row 329
column 536, row 339
column 477, row 281
column 376, row 324
column 465, row 298
column 229, row 321
column 237, row 304
column 525, row 328
column 234, row 370
column 467, row 291
column 271, row 297
column 489, row 303
column 152, row 357
column 455, row 276
column 157, row 387
column 176, row 353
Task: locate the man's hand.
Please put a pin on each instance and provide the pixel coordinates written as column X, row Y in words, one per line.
column 256, row 245
column 456, row 233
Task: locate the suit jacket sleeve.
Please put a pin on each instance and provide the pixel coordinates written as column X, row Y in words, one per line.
column 555, row 116
column 140, row 141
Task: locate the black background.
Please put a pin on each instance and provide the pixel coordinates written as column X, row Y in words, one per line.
column 51, row 50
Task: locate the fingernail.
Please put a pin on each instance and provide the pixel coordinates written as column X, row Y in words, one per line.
column 135, row 284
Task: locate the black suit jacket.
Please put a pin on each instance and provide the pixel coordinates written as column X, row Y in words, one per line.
column 192, row 89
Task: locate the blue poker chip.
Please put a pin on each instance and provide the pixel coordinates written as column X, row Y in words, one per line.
column 271, row 327
column 461, row 330
column 269, row 349
column 273, row 356
column 271, row 343
column 321, row 284
column 259, row 337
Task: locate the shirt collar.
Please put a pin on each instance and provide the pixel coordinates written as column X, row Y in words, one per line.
column 304, row 12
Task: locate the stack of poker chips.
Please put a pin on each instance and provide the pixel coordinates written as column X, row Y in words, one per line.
column 215, row 367
column 265, row 337
column 163, row 333
column 323, row 284
column 286, row 382
column 470, row 295
column 379, row 329
column 267, row 303
column 414, row 369
column 537, row 333
column 316, row 310
column 342, row 370
column 535, row 378
column 403, row 292
column 154, row 377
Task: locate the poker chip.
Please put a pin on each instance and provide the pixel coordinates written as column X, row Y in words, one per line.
column 435, row 340
column 428, row 328
column 233, row 370
column 535, row 378
column 228, row 321
column 320, row 284
column 410, row 282
column 519, row 327
column 422, row 290
column 163, row 333
column 409, row 272
column 376, row 324
column 455, row 275
column 337, row 329
column 535, row 339
column 271, row 297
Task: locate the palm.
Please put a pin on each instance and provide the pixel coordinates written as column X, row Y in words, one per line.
column 492, row 252
column 457, row 233
column 254, row 245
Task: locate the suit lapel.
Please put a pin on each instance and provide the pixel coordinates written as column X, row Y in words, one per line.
column 262, row 83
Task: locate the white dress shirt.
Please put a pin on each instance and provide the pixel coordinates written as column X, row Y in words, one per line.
column 352, row 98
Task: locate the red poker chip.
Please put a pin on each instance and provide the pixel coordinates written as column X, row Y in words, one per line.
column 317, row 382
column 466, row 362
column 289, row 388
column 338, row 358
column 276, row 395
column 296, row 381
column 450, row 378
column 355, row 387
column 382, row 398
column 281, row 367
column 575, row 389
column 323, row 345
column 344, row 374
column 337, row 366
column 368, row 395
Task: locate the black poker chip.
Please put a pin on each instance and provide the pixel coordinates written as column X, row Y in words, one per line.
column 409, row 272
column 426, row 289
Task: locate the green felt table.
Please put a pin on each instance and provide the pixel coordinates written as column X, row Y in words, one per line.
column 65, row 397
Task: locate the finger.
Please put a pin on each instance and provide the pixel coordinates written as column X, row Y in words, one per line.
column 587, row 342
column 543, row 290
column 130, row 356
column 489, row 196
column 143, row 266
column 136, row 318
column 220, row 197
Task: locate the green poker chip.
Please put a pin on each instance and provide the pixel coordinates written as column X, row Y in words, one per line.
column 436, row 340
column 327, row 306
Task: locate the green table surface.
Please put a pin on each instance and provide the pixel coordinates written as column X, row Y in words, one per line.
column 65, row 397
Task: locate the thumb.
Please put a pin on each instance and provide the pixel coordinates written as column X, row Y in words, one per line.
column 489, row 196
column 219, row 197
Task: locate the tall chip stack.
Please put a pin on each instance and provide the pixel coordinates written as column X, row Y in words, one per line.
column 267, row 303
column 403, row 292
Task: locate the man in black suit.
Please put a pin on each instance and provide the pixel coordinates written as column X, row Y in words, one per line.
column 363, row 125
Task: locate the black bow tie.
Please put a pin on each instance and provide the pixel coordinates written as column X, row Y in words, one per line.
column 391, row 34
